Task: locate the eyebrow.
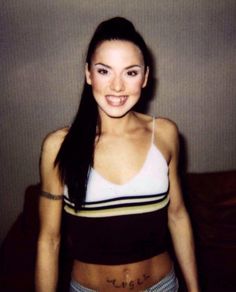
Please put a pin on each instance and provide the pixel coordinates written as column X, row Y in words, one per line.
column 126, row 68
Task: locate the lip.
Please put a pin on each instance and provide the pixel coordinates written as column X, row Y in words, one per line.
column 116, row 100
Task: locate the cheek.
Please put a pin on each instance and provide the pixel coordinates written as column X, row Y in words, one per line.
column 98, row 83
column 136, row 85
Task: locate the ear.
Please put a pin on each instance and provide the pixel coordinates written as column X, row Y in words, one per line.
column 87, row 74
column 145, row 78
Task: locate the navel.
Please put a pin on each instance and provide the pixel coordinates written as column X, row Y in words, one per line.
column 126, row 273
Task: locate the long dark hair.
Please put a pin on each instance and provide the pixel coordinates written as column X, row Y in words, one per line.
column 76, row 154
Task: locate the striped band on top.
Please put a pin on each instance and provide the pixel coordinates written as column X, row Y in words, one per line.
column 120, row 206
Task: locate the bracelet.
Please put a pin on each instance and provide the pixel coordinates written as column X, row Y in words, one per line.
column 50, row 196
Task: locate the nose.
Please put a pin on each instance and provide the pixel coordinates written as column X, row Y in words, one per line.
column 117, row 84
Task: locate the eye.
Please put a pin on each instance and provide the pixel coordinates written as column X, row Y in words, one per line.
column 102, row 71
column 132, row 73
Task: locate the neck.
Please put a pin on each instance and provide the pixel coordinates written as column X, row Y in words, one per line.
column 116, row 126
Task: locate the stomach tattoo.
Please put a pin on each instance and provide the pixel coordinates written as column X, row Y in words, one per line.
column 131, row 284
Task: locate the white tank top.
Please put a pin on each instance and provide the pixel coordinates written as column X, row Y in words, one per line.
column 151, row 179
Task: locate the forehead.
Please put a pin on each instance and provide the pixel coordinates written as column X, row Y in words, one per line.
column 118, row 51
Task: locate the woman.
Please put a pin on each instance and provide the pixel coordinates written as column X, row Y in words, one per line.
column 117, row 171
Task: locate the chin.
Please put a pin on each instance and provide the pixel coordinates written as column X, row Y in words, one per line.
column 116, row 113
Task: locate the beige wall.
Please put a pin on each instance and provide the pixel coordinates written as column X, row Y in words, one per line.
column 42, row 52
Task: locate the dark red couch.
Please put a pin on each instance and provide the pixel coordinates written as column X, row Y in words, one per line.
column 211, row 201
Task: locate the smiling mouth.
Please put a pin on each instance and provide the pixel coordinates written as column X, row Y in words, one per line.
column 115, row 100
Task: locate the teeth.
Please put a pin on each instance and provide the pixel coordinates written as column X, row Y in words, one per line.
column 116, row 100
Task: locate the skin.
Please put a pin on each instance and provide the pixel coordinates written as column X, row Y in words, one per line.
column 117, row 76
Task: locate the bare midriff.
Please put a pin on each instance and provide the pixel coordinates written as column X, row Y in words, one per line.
column 128, row 277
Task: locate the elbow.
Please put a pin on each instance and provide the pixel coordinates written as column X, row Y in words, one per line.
column 49, row 242
column 177, row 215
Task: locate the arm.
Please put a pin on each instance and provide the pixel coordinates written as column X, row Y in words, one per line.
column 50, row 217
column 178, row 218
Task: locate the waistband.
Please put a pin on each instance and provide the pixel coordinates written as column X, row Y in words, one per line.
column 168, row 284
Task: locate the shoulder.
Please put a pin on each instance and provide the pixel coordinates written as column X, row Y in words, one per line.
column 52, row 142
column 50, row 148
column 167, row 127
column 167, row 131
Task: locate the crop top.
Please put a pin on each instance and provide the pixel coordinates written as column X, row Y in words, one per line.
column 120, row 224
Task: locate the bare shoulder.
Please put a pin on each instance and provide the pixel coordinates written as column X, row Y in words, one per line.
column 52, row 142
column 54, row 139
column 167, row 131
column 50, row 178
column 167, row 127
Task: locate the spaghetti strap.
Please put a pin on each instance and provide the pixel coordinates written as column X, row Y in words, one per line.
column 153, row 129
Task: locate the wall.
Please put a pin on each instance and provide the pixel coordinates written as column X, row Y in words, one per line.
column 42, row 58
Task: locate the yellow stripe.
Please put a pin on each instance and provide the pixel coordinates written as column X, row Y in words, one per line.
column 122, row 201
column 129, row 210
